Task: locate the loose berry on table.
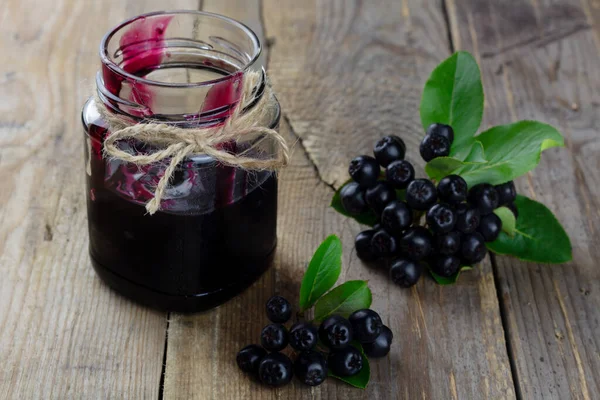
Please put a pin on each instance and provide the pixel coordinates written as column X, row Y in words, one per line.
column 274, row 337
column 405, row 272
column 336, row 332
column 345, row 362
column 278, row 309
column 382, row 344
column 366, row 325
column 303, row 336
column 311, row 368
column 275, row 369
column 249, row 358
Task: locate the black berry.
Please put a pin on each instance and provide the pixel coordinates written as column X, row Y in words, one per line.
column 389, row 149
column 345, row 362
column 490, row 227
column 507, row 193
column 473, row 248
column 421, row 194
column 303, row 336
column 452, row 189
column 366, row 325
column 396, row 217
column 381, row 346
column 362, row 243
column 336, row 332
column 434, row 146
column 353, row 198
column 405, row 272
column 311, row 368
column 445, row 266
column 441, row 218
column 416, row 243
column 383, row 244
column 467, row 218
column 513, row 207
column 400, row 174
column 380, row 196
column 364, row 170
column 249, row 358
column 485, row 197
column 275, row 369
column 448, row 243
column 278, row 309
column 274, row 337
column 442, row 130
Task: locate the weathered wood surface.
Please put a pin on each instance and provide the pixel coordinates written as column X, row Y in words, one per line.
column 540, row 61
column 63, row 334
column 346, row 73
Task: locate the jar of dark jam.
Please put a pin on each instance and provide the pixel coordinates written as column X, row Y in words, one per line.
column 215, row 232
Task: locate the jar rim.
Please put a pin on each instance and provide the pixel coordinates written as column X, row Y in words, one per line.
column 109, row 63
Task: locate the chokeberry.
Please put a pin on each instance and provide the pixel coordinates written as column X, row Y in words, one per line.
column 473, row 248
column 441, row 218
column 311, row 368
column 303, row 336
column 442, row 130
column 416, row 242
column 421, row 194
column 445, row 266
column 381, row 346
column 434, row 146
column 396, row 217
column 490, row 227
column 364, row 170
column 383, row 244
column 275, row 369
column 274, row 337
column 353, row 198
column 379, row 196
column 405, row 272
column 336, row 332
column 400, row 174
column 448, row 243
column 249, row 358
column 452, row 189
column 362, row 243
column 366, row 325
column 389, row 149
column 485, row 197
column 345, row 362
column 513, row 207
column 507, row 193
column 467, row 218
column 278, row 309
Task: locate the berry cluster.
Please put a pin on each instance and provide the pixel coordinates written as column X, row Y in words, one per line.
column 458, row 221
column 311, row 365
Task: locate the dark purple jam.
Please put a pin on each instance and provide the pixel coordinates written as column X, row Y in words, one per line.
column 177, row 259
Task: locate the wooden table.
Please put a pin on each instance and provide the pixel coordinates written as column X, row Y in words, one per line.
column 346, row 72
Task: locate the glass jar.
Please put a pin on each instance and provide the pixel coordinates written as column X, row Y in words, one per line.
column 215, row 232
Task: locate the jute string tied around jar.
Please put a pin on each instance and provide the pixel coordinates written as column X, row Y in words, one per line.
column 177, row 143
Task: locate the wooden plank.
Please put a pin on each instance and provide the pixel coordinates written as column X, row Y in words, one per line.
column 63, row 334
column 540, row 61
column 449, row 341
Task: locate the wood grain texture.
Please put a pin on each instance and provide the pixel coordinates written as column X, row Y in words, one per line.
column 449, row 341
column 540, row 60
column 63, row 334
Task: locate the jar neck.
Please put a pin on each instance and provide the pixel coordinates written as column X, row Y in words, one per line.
column 182, row 67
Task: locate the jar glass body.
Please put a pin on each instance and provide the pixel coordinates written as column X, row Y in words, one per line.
column 216, row 230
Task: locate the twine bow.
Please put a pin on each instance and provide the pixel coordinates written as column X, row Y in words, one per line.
column 178, row 143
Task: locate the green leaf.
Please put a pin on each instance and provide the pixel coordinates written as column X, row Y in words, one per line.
column 511, row 151
column 508, row 220
column 539, row 237
column 344, row 300
column 323, row 271
column 453, row 95
column 360, row 380
column 442, row 280
column 369, row 218
column 476, row 153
